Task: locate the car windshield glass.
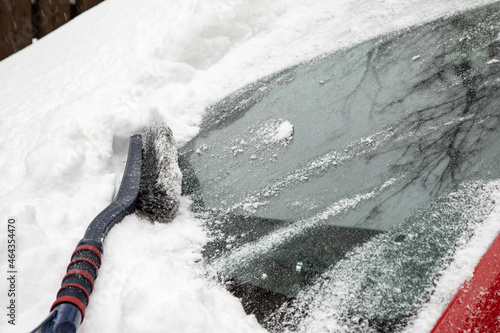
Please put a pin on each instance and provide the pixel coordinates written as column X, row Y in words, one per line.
column 347, row 182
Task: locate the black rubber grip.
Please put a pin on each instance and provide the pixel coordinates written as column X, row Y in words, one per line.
column 82, row 271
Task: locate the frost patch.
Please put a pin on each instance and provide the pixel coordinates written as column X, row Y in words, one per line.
column 275, row 131
column 268, row 136
column 251, row 207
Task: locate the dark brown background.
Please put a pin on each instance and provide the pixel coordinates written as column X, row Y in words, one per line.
column 21, row 21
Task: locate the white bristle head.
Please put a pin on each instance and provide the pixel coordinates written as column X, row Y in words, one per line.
column 161, row 177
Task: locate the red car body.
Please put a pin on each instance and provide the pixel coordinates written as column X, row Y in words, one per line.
column 476, row 306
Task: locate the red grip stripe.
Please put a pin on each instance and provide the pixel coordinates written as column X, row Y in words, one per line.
column 73, row 300
column 91, row 248
column 86, row 260
column 77, row 286
column 82, row 273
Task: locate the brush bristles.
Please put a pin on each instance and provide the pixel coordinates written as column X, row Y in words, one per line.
column 161, row 178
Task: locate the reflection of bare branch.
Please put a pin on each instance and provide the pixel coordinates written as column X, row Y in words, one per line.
column 453, row 145
column 368, row 63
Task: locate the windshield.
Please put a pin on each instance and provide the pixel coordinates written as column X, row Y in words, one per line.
column 346, row 183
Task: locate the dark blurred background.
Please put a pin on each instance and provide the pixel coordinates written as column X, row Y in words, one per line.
column 23, row 20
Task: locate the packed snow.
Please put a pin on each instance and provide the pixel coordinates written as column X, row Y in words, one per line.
column 284, row 132
column 69, row 102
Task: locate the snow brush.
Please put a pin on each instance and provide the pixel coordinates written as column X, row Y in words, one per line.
column 151, row 187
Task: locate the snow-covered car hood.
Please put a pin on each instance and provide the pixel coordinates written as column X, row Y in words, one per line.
column 69, row 102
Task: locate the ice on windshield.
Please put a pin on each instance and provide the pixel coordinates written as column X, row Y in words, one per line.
column 348, row 182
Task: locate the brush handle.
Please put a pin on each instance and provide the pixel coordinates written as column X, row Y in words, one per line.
column 78, row 283
column 68, row 311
